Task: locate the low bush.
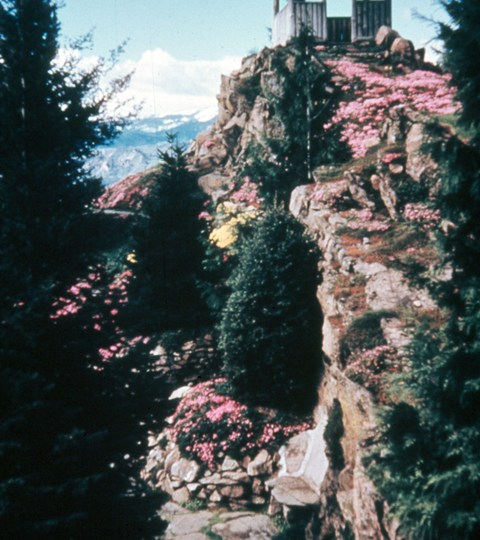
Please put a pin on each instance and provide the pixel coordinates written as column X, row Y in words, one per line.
column 209, row 425
column 364, row 333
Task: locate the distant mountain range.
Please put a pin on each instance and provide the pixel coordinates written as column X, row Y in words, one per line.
column 136, row 149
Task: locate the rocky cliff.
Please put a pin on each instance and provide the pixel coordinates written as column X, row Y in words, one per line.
column 371, row 219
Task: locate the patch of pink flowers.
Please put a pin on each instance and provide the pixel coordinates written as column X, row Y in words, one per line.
column 368, row 367
column 246, row 193
column 363, row 220
column 390, row 157
column 374, row 93
column 208, row 425
column 420, row 213
column 115, row 296
column 127, row 194
column 332, row 194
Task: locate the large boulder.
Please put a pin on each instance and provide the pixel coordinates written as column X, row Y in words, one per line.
column 210, row 183
column 295, row 491
column 402, row 51
column 386, row 36
column 419, row 163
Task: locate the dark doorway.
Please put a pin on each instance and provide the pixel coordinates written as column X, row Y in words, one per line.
column 339, row 29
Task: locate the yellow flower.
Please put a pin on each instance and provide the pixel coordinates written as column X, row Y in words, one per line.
column 227, row 207
column 132, row 258
column 225, row 235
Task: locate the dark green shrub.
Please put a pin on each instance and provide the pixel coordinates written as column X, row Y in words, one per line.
column 270, row 332
column 364, row 332
column 334, row 431
column 408, row 190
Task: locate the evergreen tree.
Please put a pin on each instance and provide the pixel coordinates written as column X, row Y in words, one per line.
column 52, row 118
column 168, row 247
column 71, row 425
column 270, row 332
column 460, row 36
column 427, row 464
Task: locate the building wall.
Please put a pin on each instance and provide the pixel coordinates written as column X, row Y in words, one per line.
column 367, row 17
column 294, row 15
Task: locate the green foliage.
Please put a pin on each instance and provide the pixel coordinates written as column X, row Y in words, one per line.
column 460, row 36
column 302, row 99
column 70, row 423
column 334, row 431
column 426, row 462
column 364, row 332
column 294, row 531
column 408, row 190
column 168, row 247
column 52, row 118
column 270, row 332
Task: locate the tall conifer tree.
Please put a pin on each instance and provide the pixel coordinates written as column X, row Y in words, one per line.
column 70, row 425
column 428, row 464
column 168, row 247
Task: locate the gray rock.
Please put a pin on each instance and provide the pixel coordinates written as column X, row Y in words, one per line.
column 215, row 497
column 294, row 491
column 419, row 164
column 248, row 527
column 217, row 479
column 261, row 464
column 172, row 458
column 258, row 487
column 386, row 36
column 230, row 464
column 295, row 452
column 233, row 492
column 403, row 51
column 213, row 182
column 238, row 476
column 192, row 536
column 357, row 191
column 187, row 524
column 181, row 496
column 389, row 197
column 193, row 487
column 185, row 470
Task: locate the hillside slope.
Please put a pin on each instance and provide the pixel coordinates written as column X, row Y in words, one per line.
column 372, row 221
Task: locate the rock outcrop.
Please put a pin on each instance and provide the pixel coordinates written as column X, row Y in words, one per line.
column 234, row 485
column 358, row 215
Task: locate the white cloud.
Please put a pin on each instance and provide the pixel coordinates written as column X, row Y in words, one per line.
column 166, row 85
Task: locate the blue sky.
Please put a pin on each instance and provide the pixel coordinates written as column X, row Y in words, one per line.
column 180, row 47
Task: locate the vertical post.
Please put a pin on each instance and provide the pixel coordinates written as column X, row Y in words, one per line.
column 276, row 7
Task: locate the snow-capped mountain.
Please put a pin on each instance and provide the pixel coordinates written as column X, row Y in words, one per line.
column 136, row 149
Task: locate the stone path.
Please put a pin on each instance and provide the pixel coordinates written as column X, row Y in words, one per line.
column 205, row 524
